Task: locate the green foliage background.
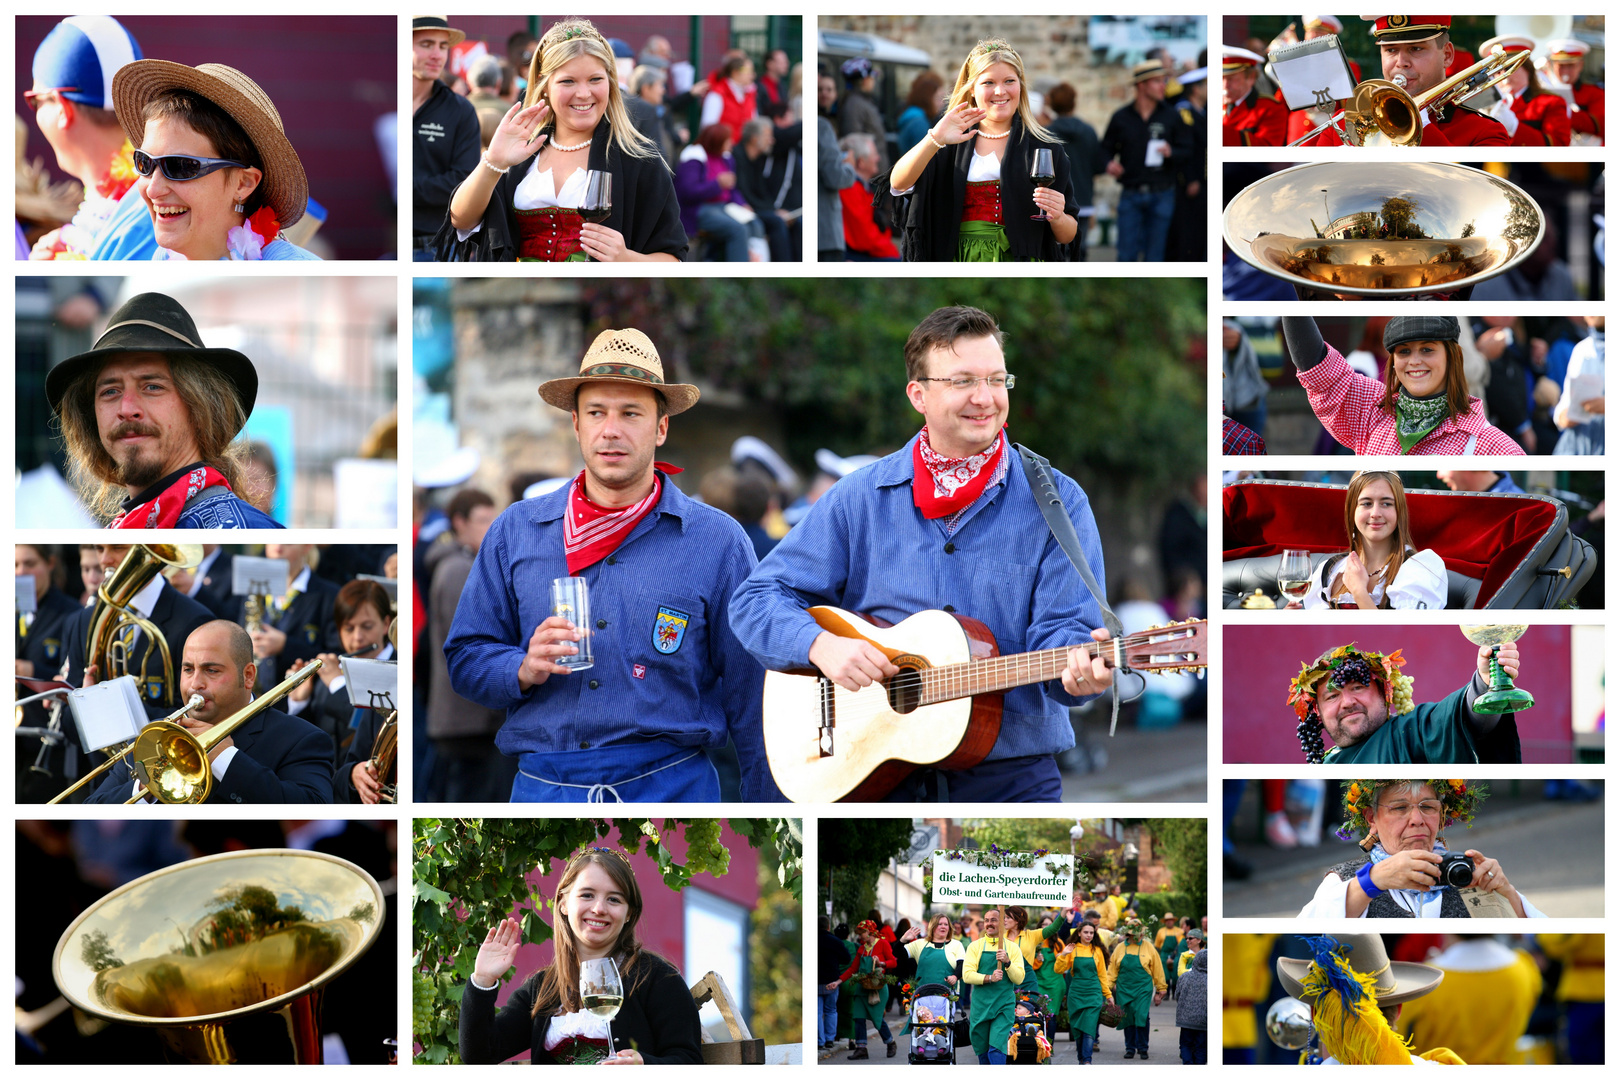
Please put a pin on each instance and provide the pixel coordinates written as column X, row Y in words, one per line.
column 1106, row 387
column 469, row 873
column 1183, row 843
column 853, row 852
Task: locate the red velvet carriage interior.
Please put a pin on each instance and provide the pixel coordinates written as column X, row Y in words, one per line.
column 1492, row 538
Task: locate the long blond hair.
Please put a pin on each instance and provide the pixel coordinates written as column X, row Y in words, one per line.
column 996, row 51
column 567, row 41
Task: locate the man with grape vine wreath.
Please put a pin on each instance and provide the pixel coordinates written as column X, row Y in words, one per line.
column 1364, row 703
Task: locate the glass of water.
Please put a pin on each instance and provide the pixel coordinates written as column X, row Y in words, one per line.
column 572, row 600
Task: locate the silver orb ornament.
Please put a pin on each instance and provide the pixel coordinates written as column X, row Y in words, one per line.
column 1288, row 1023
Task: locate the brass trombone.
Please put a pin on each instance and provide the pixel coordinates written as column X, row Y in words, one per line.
column 124, row 751
column 172, row 763
column 1383, row 108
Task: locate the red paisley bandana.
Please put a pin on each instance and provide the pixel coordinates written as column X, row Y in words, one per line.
column 941, row 486
column 164, row 511
column 591, row 533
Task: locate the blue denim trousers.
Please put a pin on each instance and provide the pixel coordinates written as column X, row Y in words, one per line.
column 1144, row 224
column 827, row 1016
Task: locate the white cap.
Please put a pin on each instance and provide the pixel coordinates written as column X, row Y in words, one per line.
column 1330, row 21
column 545, row 487
column 749, row 448
column 833, row 465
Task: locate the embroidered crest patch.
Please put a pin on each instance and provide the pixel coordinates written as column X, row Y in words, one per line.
column 639, row 671
column 312, row 633
column 154, row 688
column 670, row 630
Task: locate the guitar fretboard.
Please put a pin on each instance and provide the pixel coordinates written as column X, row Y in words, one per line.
column 996, row 673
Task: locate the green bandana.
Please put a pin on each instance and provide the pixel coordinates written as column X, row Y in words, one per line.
column 1416, row 417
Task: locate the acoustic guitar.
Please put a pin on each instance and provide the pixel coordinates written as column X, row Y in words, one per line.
column 943, row 710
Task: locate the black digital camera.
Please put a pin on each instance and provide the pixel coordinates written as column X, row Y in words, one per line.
column 1456, row 870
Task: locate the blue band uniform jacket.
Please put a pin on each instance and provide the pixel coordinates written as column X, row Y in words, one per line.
column 279, row 759
column 668, row 667
column 308, row 624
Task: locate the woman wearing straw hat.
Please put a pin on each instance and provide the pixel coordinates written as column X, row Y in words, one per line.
column 522, row 201
column 973, row 197
column 218, row 175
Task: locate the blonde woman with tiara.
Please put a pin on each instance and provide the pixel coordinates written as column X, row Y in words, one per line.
column 1382, row 569
column 972, row 196
column 522, row 201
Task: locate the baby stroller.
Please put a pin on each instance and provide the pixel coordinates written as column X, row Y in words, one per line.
column 933, row 1037
column 1028, row 1044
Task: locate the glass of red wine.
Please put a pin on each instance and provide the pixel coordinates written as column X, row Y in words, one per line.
column 1043, row 175
column 598, row 200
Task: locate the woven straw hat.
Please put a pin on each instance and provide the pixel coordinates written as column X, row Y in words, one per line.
column 286, row 189
column 438, row 22
column 1393, row 981
column 621, row 356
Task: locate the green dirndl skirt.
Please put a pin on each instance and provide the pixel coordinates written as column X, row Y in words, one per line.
column 981, row 241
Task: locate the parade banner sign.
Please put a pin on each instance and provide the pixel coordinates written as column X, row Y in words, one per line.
column 1029, row 878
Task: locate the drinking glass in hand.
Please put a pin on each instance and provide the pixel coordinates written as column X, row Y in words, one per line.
column 601, row 992
column 1044, row 176
column 572, row 601
column 598, row 201
column 1294, row 574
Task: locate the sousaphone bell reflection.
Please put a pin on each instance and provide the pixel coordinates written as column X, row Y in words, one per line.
column 1384, row 229
column 224, row 957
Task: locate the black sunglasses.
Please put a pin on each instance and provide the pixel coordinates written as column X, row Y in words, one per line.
column 181, row 167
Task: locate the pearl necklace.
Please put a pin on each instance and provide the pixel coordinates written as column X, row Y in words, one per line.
column 570, row 149
column 983, row 134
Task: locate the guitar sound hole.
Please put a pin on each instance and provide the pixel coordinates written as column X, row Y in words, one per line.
column 905, row 690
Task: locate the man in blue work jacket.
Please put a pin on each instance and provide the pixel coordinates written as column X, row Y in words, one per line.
column 947, row 522
column 669, row 680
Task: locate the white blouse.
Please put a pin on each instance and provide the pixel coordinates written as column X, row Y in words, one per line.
column 537, row 191
column 581, row 1024
column 1421, row 584
column 981, row 170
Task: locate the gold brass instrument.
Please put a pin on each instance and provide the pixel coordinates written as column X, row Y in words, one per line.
column 1388, row 229
column 172, row 763
column 224, row 957
column 253, row 607
column 384, row 751
column 1383, row 113
column 123, row 752
column 113, row 617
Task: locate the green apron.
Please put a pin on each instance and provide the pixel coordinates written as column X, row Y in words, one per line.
column 993, row 1005
column 1047, row 979
column 859, row 1007
column 1086, row 996
column 1133, row 991
column 932, row 967
column 1171, row 949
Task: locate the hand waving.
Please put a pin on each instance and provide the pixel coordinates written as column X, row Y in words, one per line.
column 957, row 124
column 510, row 144
column 497, row 953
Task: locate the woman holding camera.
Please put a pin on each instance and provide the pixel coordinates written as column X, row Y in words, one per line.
column 1409, row 873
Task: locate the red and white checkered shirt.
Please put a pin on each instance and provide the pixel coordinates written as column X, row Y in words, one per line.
column 1347, row 404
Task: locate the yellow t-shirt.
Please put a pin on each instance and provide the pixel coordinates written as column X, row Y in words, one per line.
column 1107, row 913
column 1582, row 958
column 1245, row 981
column 1477, row 1014
column 970, row 964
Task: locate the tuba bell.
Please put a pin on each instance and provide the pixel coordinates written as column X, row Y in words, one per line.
column 113, row 616
column 224, row 957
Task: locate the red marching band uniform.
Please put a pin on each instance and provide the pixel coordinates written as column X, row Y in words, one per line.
column 1256, row 120
column 1543, row 117
column 1565, row 59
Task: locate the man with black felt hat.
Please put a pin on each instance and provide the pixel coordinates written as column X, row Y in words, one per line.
column 151, row 416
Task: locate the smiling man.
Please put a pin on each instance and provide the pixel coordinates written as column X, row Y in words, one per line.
column 1363, row 702
column 445, row 124
column 669, row 682
column 272, row 758
column 950, row 522
column 150, row 417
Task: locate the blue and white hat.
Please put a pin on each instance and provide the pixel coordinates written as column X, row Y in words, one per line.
column 81, row 54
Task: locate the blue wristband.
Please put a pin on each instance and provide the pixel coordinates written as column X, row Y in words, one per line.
column 1364, row 877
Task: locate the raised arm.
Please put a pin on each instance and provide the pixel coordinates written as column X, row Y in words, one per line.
column 956, row 126
column 510, row 146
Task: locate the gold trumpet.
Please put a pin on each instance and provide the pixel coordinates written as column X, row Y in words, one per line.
column 113, row 617
column 1383, row 110
column 172, row 763
column 226, row 957
column 123, row 752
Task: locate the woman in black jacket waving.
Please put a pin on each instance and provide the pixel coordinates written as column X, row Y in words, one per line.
column 598, row 904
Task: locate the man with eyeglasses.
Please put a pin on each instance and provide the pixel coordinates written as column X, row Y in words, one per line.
column 949, row 522
column 1363, row 702
column 1400, row 824
column 72, row 103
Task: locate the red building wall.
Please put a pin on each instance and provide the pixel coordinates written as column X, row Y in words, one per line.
column 1258, row 663
column 330, row 78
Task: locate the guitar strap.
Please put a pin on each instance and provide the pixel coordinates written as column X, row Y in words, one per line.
column 1047, row 498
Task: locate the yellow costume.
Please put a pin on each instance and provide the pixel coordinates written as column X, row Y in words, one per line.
column 1165, row 931
column 1185, row 962
column 1478, row 1014
column 1582, row 957
column 1245, row 982
column 1107, row 913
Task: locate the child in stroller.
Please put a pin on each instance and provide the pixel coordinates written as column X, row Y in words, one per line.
column 1030, row 1042
column 933, row 1036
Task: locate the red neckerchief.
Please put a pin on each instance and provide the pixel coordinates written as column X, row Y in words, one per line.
column 164, row 511
column 940, row 486
column 591, row 533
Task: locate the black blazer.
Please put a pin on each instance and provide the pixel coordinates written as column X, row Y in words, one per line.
column 359, row 750
column 175, row 614
column 935, row 213
column 659, row 1019
column 308, row 624
column 644, row 208
column 44, row 644
column 279, row 759
column 215, row 591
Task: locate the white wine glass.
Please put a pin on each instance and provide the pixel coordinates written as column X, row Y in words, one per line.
column 1294, row 574
column 601, row 992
